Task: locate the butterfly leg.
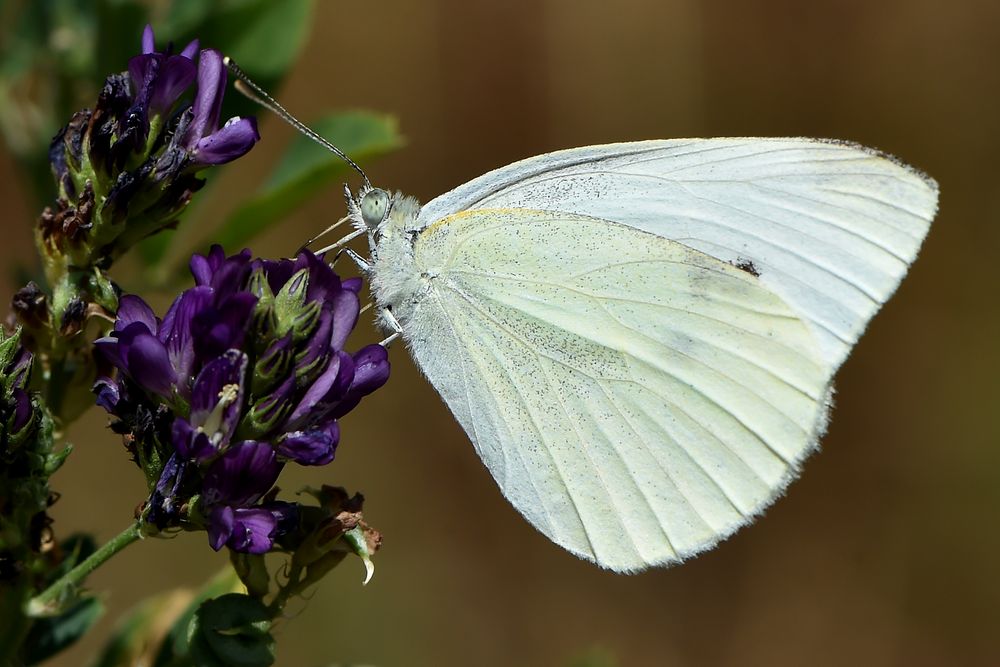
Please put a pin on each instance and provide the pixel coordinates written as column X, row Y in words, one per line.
column 342, row 242
column 363, row 264
column 389, row 321
column 326, row 231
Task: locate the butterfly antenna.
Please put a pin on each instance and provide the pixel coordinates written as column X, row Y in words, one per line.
column 254, row 92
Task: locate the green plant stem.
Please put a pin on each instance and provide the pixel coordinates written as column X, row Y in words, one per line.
column 14, row 625
column 51, row 595
column 286, row 592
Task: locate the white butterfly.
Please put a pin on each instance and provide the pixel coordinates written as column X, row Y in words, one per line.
column 640, row 338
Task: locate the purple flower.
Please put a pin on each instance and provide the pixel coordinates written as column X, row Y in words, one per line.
column 250, row 529
column 21, row 410
column 246, row 371
column 216, row 403
column 233, row 484
column 17, row 408
column 207, row 142
column 164, row 505
column 242, row 475
column 128, row 167
column 162, row 357
column 160, row 79
column 314, row 448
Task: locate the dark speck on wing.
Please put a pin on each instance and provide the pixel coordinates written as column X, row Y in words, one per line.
column 748, row 266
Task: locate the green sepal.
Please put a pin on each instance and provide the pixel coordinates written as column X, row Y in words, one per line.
column 55, row 460
column 304, row 323
column 305, row 375
column 290, row 301
column 264, row 322
column 16, row 439
column 252, row 571
column 260, row 287
column 327, row 548
column 271, row 367
column 103, row 292
column 195, row 514
column 355, row 538
column 151, row 461
column 9, row 346
column 265, row 414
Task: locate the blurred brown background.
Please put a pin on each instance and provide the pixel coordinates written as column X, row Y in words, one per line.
column 884, row 553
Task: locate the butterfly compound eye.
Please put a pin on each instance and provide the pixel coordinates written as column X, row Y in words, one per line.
column 374, row 207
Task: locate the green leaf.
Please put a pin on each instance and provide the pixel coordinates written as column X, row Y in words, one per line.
column 136, row 634
column 307, row 169
column 235, row 630
column 78, row 547
column 152, row 248
column 186, row 17
column 595, row 656
column 119, row 36
column 24, row 30
column 263, row 36
column 50, row 635
column 176, row 647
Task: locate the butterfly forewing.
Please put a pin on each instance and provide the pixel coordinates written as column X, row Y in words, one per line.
column 831, row 227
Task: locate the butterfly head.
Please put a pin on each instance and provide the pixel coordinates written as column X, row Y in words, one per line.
column 380, row 213
column 375, row 206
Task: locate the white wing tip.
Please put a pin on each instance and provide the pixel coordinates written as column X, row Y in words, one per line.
column 878, row 153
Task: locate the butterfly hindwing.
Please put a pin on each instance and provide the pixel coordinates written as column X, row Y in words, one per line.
column 637, row 400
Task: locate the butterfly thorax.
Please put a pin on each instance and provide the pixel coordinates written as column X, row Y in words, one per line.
column 395, row 283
